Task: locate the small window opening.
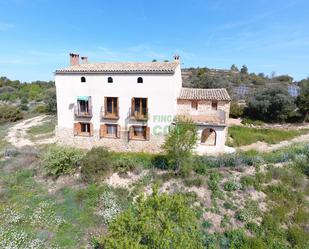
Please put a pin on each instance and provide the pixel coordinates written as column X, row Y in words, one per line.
column 83, row 79
column 109, row 80
column 214, row 105
column 139, row 80
column 194, row 104
column 85, row 127
column 111, row 130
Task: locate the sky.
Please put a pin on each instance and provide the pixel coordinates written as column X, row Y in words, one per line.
column 36, row 36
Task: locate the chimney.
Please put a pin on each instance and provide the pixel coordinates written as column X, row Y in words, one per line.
column 74, row 59
column 176, row 57
column 84, row 60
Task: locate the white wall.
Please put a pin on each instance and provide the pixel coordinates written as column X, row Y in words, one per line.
column 161, row 90
column 220, row 140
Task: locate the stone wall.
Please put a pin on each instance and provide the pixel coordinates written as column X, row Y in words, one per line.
column 65, row 137
column 204, row 106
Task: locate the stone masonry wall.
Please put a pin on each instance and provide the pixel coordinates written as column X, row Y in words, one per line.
column 65, row 136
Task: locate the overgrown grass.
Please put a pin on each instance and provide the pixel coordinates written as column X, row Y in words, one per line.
column 245, row 135
column 47, row 127
column 30, row 217
column 3, row 132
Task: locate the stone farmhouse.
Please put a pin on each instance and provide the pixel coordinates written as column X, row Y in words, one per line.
column 129, row 106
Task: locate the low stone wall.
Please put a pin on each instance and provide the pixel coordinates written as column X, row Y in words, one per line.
column 65, row 136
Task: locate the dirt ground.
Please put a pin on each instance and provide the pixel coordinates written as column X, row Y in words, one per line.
column 17, row 134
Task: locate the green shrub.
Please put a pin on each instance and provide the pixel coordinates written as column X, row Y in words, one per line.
column 179, row 144
column 236, row 110
column 301, row 216
column 10, row 113
column 298, row 237
column 249, row 212
column 61, row 160
column 302, row 163
column 97, row 164
column 231, row 185
column 160, row 221
column 213, row 183
column 41, row 109
column 197, row 181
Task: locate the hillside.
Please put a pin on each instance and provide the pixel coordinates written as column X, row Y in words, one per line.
column 240, row 83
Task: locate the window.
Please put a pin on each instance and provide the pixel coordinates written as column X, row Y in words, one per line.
column 139, row 80
column 214, row 105
column 139, row 133
column 83, row 129
column 109, row 80
column 111, row 107
column 83, row 79
column 83, row 107
column 110, row 131
column 194, row 104
column 140, row 108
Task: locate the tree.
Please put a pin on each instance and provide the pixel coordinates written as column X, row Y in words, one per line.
column 158, row 222
column 180, row 142
column 244, row 70
column 234, row 68
column 302, row 100
column 50, row 100
column 271, row 104
column 236, row 110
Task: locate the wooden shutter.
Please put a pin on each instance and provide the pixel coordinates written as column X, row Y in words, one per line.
column 102, row 130
column 131, row 132
column 89, row 106
column 118, row 131
column 147, row 133
column 75, row 128
column 105, row 106
column 91, row 130
column 117, row 107
column 132, row 106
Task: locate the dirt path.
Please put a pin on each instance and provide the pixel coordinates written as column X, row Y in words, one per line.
column 17, row 134
column 265, row 147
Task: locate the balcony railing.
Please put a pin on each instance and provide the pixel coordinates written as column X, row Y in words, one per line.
column 141, row 115
column 83, row 114
column 107, row 115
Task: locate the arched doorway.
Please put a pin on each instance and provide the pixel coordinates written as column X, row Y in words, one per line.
column 209, row 137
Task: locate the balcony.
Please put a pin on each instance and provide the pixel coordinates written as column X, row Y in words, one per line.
column 139, row 115
column 85, row 113
column 216, row 117
column 109, row 115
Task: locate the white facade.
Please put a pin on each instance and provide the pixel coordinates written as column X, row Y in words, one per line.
column 161, row 88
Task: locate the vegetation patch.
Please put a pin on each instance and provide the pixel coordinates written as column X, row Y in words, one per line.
column 247, row 135
column 47, row 127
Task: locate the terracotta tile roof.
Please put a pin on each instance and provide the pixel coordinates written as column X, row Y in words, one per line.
column 204, row 94
column 122, row 67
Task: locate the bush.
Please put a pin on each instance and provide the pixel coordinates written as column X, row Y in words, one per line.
column 10, row 113
column 297, row 237
column 41, row 109
column 236, row 110
column 97, row 164
column 179, row 144
column 272, row 104
column 249, row 212
column 61, row 160
column 232, row 185
column 160, row 221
